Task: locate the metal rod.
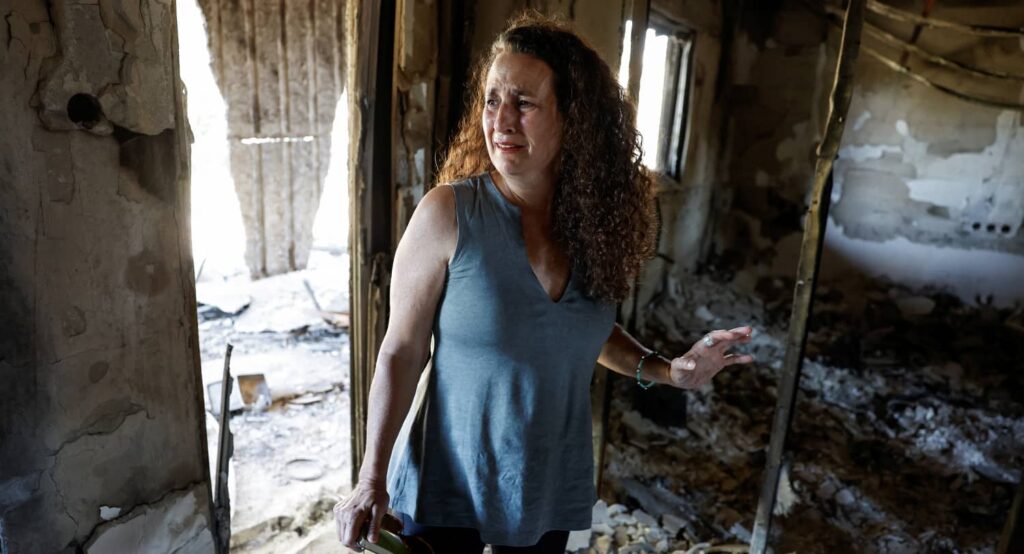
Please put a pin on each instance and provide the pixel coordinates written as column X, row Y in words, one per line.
column 807, row 269
column 225, row 448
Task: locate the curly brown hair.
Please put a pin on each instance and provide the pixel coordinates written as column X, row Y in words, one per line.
column 603, row 214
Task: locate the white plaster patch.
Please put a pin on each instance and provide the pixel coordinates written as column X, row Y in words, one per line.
column 987, row 186
column 859, row 153
column 965, row 273
column 793, row 151
column 175, row 524
column 863, row 118
column 276, row 140
column 995, row 161
column 578, row 540
column 786, row 498
column 902, row 128
column 941, row 192
column 108, row 513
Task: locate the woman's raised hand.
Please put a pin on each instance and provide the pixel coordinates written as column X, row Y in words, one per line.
column 708, row 356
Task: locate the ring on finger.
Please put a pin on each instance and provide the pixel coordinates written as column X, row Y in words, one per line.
column 708, row 341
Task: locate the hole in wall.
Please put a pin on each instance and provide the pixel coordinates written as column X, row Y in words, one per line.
column 976, row 226
column 991, row 227
column 84, row 110
column 1005, row 229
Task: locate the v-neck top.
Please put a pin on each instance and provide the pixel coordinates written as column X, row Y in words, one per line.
column 502, row 441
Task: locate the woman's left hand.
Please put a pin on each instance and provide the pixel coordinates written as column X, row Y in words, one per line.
column 708, row 356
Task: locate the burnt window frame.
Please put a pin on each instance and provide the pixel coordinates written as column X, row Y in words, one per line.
column 676, row 96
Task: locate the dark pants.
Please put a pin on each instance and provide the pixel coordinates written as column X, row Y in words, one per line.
column 462, row 540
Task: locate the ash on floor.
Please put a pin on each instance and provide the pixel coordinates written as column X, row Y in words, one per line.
column 292, row 451
column 908, row 434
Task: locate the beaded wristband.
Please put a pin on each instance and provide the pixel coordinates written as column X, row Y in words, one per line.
column 640, row 367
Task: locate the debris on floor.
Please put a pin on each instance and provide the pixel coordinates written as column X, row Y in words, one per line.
column 289, row 403
column 908, row 434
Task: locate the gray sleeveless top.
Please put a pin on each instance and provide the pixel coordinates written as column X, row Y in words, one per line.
column 502, row 441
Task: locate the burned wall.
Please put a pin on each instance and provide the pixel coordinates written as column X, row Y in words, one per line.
column 685, row 204
column 422, row 87
column 929, row 188
column 103, row 446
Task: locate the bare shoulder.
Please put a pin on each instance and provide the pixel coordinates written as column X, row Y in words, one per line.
column 433, row 224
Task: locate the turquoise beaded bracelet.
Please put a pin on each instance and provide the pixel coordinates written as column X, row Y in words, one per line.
column 639, row 368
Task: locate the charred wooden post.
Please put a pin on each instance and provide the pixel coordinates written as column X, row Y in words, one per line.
column 807, row 268
column 225, row 449
column 600, row 391
column 371, row 190
column 1012, row 539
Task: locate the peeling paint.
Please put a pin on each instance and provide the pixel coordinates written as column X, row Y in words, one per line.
column 917, row 172
column 108, row 513
column 97, row 382
column 967, row 274
column 863, row 152
column 793, row 151
column 170, row 524
column 863, row 118
column 942, row 192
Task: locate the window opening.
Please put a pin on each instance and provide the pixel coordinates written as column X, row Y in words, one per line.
column 662, row 106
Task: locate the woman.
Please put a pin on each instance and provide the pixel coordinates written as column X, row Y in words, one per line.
column 515, row 268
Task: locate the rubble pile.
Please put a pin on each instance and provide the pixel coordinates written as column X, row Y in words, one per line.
column 908, row 435
column 291, row 441
column 617, row 529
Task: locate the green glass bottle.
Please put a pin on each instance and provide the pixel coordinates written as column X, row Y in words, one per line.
column 387, row 543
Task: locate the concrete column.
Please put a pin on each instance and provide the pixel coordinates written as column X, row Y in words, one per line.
column 102, row 441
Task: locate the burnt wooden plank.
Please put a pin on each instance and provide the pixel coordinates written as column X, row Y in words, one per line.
column 371, row 193
column 328, row 71
column 807, row 269
column 237, row 82
column 1012, row 539
column 300, row 127
column 271, row 71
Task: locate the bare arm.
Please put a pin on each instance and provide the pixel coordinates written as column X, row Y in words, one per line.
column 621, row 353
column 417, row 281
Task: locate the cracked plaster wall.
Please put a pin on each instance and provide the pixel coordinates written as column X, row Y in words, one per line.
column 100, row 406
column 928, row 189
